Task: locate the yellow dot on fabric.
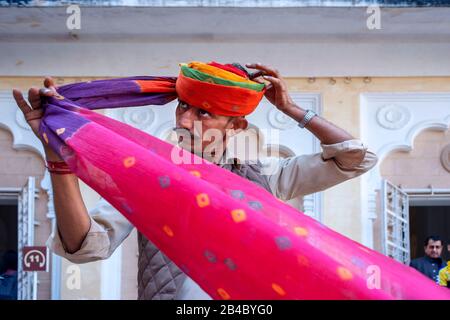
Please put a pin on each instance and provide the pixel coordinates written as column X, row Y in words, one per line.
column 301, row 231
column 44, row 135
column 238, row 215
column 303, row 261
column 202, row 200
column 60, row 131
column 206, row 105
column 129, row 162
column 344, row 273
column 278, row 289
column 58, row 96
column 168, row 231
column 223, row 294
column 195, row 173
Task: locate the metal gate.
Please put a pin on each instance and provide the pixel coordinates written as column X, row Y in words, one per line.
column 395, row 206
column 26, row 281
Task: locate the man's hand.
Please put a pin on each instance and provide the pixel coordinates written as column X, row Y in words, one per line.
column 278, row 95
column 276, row 92
column 72, row 217
column 33, row 111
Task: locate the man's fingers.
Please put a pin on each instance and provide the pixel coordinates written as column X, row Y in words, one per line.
column 50, row 88
column 253, row 65
column 49, row 83
column 259, row 80
column 34, row 98
column 21, row 103
column 46, row 92
column 268, row 70
column 266, row 83
column 277, row 83
column 34, row 114
column 256, row 75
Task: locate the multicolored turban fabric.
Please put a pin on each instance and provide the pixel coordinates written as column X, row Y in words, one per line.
column 220, row 89
column 232, row 237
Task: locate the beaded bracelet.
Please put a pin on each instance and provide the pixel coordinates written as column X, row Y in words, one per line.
column 58, row 167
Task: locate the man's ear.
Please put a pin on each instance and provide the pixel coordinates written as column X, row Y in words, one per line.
column 239, row 124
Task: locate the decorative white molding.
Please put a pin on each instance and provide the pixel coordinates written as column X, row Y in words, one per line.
column 313, row 205
column 393, row 116
column 154, row 120
column 445, row 157
column 427, row 111
column 164, row 129
column 46, row 185
column 279, row 120
column 404, row 116
column 111, row 276
column 141, row 118
column 110, row 281
column 20, row 119
column 13, row 120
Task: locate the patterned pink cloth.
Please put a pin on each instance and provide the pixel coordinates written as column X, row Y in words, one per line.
column 232, row 237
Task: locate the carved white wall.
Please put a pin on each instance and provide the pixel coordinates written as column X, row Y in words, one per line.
column 11, row 118
column 391, row 121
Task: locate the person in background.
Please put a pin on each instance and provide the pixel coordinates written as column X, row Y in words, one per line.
column 444, row 276
column 432, row 262
column 8, row 279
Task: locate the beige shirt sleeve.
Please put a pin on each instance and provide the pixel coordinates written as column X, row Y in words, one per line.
column 108, row 230
column 306, row 174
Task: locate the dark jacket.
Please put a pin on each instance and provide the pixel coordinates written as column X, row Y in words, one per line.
column 8, row 287
column 429, row 266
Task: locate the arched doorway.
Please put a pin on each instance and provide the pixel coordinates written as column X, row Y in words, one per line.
column 390, row 124
column 424, row 175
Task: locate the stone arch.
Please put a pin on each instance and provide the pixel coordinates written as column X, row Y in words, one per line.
column 389, row 122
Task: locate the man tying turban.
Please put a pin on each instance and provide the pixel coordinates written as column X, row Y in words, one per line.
column 215, row 97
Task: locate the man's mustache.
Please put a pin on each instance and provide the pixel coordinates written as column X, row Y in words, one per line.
column 183, row 132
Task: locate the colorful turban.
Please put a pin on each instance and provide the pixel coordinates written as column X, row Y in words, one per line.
column 220, row 89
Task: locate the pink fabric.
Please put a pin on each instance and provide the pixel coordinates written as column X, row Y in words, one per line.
column 232, row 237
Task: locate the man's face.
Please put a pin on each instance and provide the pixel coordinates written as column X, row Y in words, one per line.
column 433, row 249
column 200, row 131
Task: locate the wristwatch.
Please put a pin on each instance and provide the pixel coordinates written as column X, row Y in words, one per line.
column 307, row 118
